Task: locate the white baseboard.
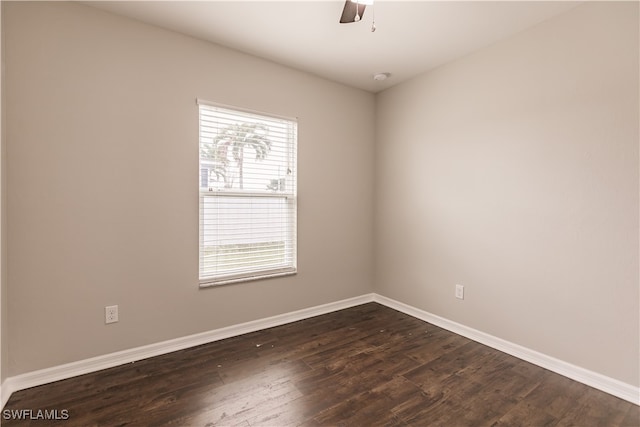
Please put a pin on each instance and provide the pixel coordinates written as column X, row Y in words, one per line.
column 31, row 379
column 601, row 382
column 61, row 372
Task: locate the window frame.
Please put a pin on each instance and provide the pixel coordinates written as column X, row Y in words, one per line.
column 289, row 266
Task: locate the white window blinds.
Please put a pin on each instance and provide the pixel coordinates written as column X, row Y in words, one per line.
column 247, row 195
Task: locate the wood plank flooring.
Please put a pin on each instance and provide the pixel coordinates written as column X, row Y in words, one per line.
column 365, row 366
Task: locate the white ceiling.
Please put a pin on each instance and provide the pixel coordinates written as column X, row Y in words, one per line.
column 411, row 37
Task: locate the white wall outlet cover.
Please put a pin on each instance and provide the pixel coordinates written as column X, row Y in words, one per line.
column 111, row 314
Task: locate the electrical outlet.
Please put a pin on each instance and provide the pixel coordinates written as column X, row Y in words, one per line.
column 111, row 314
column 459, row 291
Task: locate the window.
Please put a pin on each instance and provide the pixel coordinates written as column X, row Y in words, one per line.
column 247, row 178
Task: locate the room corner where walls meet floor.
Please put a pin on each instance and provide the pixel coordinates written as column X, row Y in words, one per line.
column 609, row 385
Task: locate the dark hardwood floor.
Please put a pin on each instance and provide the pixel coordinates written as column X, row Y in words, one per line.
column 364, row 366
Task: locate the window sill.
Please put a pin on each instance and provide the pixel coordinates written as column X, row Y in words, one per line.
column 208, row 283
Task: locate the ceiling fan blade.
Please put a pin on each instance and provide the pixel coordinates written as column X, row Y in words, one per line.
column 349, row 11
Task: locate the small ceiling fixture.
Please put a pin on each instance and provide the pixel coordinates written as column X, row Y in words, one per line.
column 381, row 76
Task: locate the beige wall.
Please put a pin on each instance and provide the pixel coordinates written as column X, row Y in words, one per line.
column 3, row 282
column 514, row 172
column 102, row 175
